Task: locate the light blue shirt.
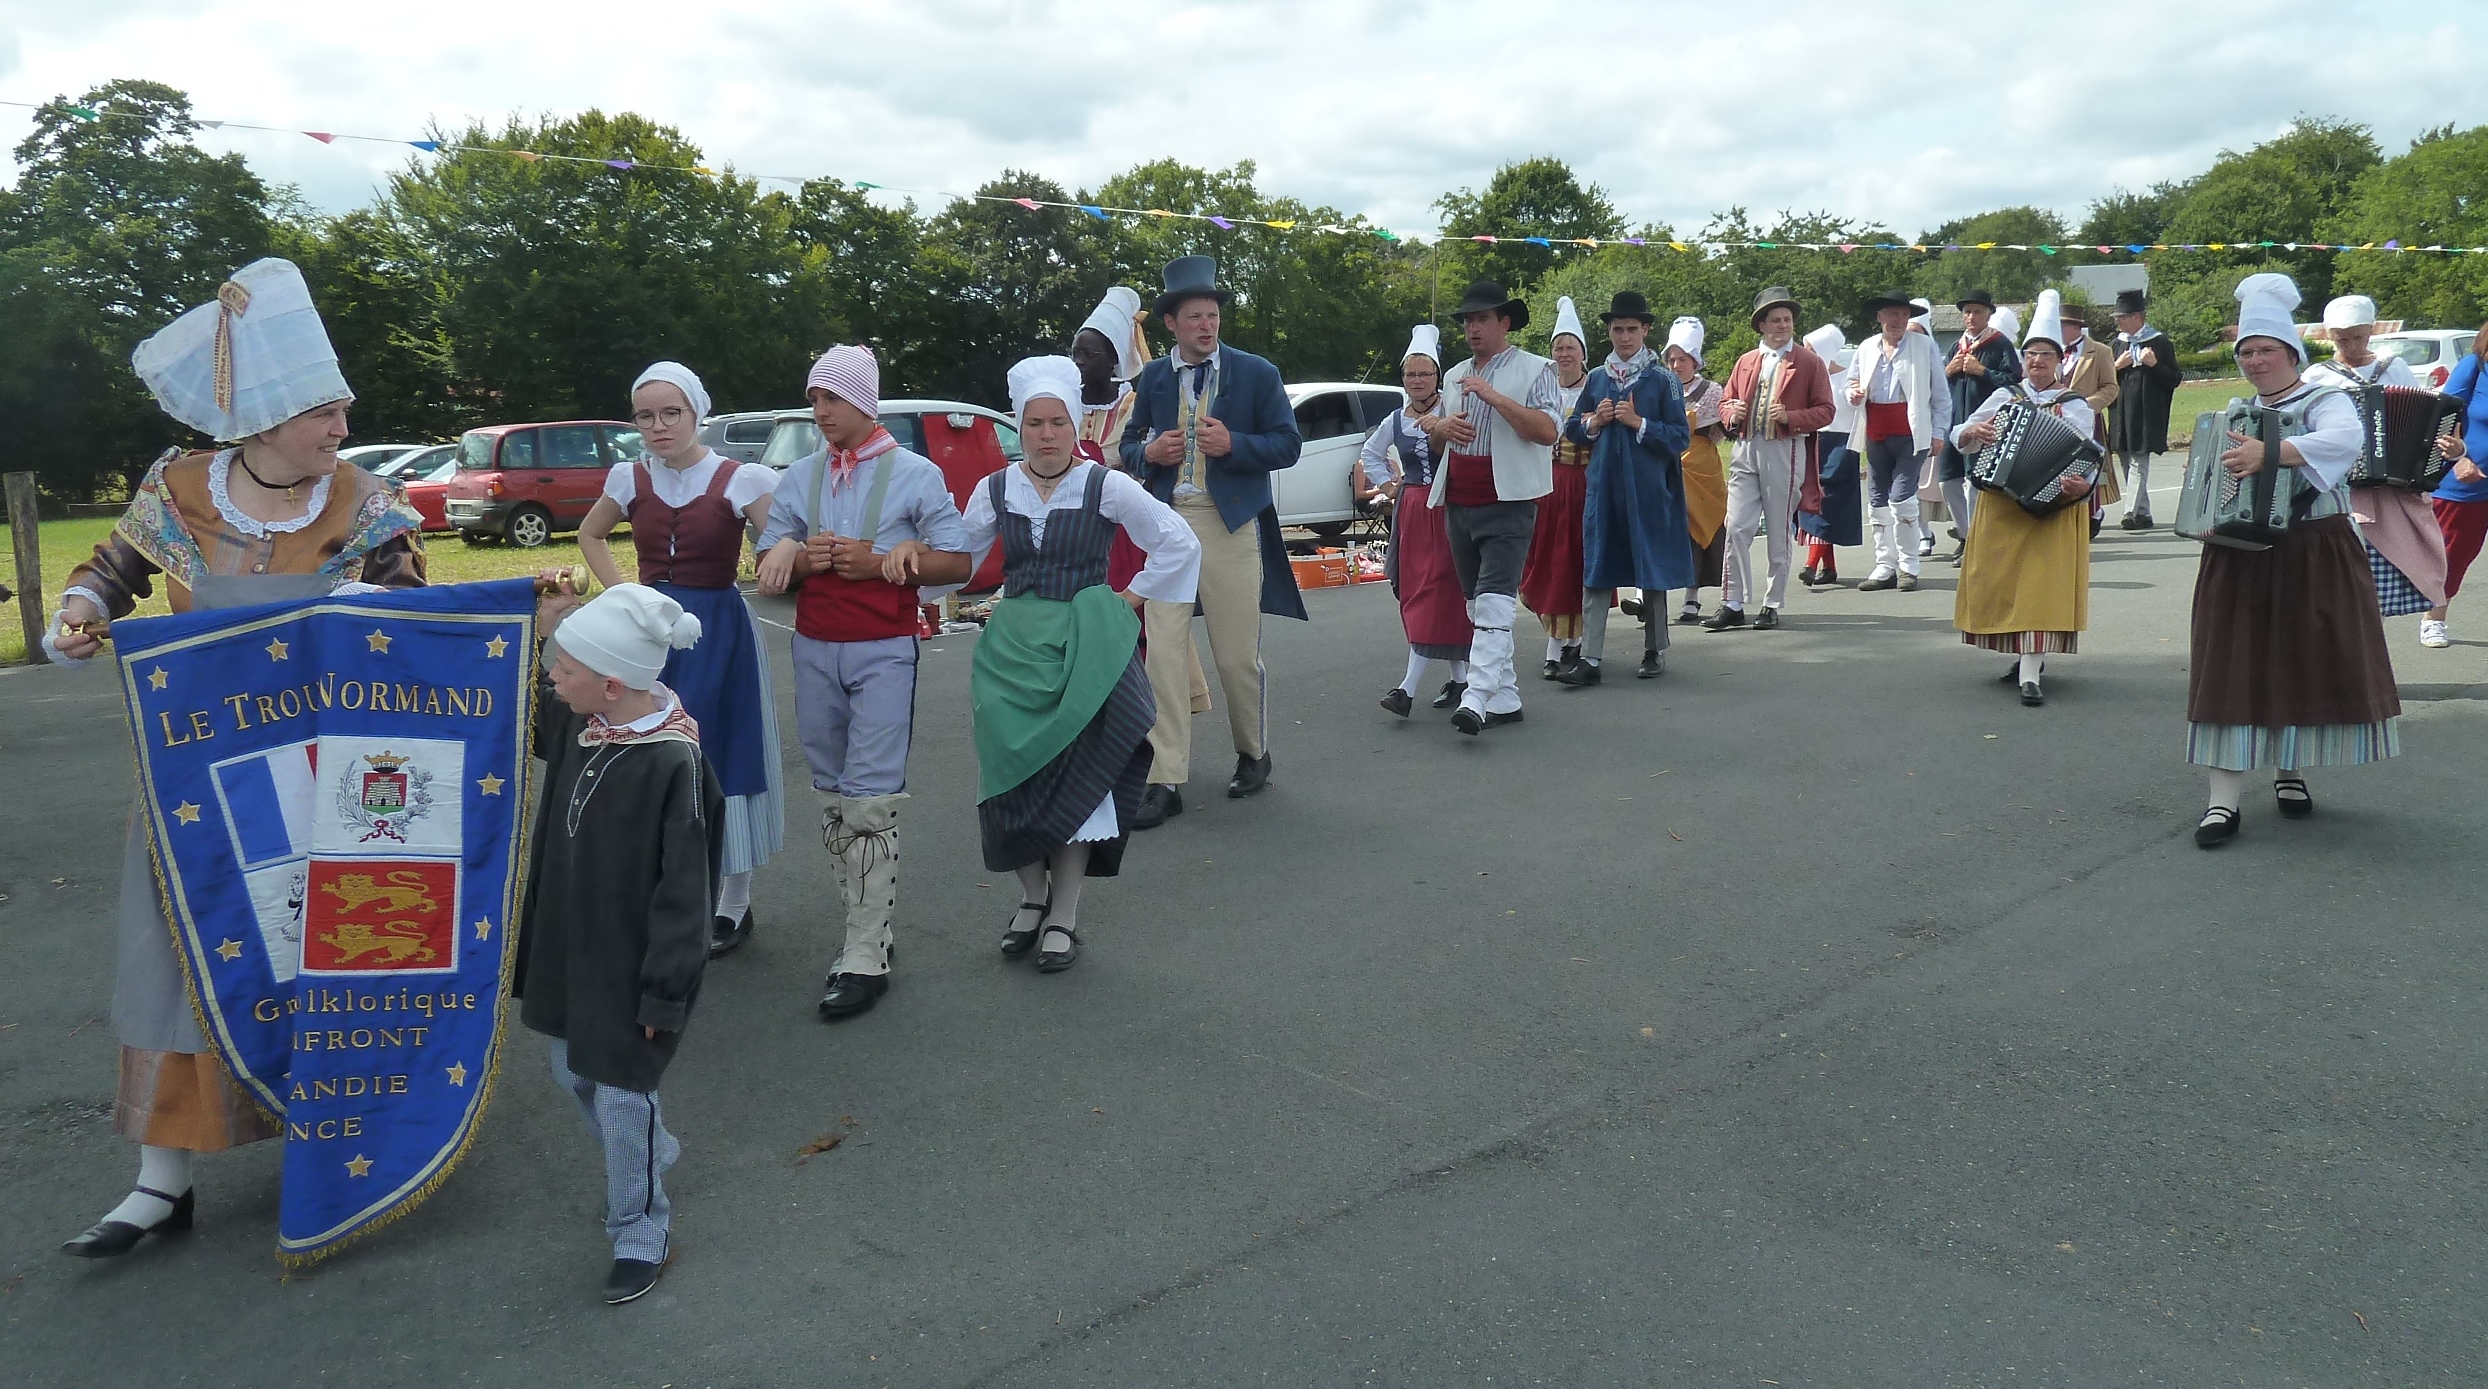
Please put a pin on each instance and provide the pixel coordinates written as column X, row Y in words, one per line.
column 917, row 505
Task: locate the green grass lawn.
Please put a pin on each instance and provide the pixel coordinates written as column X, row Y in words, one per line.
column 447, row 560
column 2195, row 397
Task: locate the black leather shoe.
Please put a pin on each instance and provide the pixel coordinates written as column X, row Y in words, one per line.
column 725, row 937
column 110, row 1239
column 1580, row 675
column 1499, row 720
column 1908, row 583
column 630, row 1280
column 1251, row 774
column 2219, row 826
column 2031, row 698
column 1398, row 701
column 1806, row 576
column 1056, row 961
column 1466, row 720
column 1827, row 577
column 1878, row 585
column 1016, row 942
column 849, row 994
column 1767, row 620
column 1631, row 606
column 2291, row 792
column 1159, row 804
column 1553, row 670
column 1723, row 619
column 2142, row 522
column 2095, row 526
column 1653, row 665
column 1954, row 559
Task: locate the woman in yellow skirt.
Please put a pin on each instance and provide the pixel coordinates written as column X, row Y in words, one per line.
column 2026, row 580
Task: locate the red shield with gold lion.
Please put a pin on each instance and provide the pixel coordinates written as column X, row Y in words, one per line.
column 380, row 916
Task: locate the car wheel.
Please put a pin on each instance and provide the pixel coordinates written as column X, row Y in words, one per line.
column 1329, row 530
column 528, row 527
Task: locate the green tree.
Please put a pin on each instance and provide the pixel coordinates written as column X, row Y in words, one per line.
column 2282, row 191
column 547, row 284
column 1833, row 286
column 117, row 224
column 2426, row 196
column 863, row 257
column 1010, row 282
column 1538, row 197
column 2011, row 276
column 2132, row 219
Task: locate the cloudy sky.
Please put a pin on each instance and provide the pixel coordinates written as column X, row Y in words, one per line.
column 1903, row 112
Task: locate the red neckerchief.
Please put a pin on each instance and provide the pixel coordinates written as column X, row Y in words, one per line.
column 843, row 462
column 677, row 726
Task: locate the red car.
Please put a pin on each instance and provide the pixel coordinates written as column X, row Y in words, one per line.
column 425, row 475
column 525, row 482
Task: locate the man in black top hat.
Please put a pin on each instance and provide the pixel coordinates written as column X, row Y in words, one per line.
column 1209, row 424
column 1983, row 362
column 2147, row 379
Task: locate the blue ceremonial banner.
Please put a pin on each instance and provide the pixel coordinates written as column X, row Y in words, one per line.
column 336, row 793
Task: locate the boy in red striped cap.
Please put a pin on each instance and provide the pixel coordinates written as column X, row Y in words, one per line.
column 838, row 514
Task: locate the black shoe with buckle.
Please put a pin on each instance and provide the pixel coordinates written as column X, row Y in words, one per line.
column 1056, row 961
column 1159, row 804
column 1450, row 694
column 630, row 1280
column 1251, row 774
column 2218, row 827
column 1398, row 701
column 1724, row 619
column 1767, row 620
column 110, row 1239
column 2291, row 792
column 1016, row 942
column 846, row 995
column 725, row 937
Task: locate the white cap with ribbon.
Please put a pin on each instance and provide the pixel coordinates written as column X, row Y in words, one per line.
column 1568, row 320
column 1117, row 319
column 2264, row 304
column 248, row 360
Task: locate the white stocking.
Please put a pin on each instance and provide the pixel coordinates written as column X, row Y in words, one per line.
column 1070, row 872
column 1460, row 671
column 734, row 895
column 159, row 1169
column 2227, row 788
column 1409, row 683
column 2032, row 663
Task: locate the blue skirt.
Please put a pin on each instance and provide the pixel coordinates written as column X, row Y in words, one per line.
column 718, row 681
column 1843, row 519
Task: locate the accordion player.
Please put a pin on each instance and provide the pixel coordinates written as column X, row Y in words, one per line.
column 2400, row 428
column 2035, row 453
column 2254, row 512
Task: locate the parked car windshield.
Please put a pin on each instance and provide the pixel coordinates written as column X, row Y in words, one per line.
column 790, row 443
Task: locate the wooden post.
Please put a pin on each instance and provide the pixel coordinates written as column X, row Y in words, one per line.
column 32, row 615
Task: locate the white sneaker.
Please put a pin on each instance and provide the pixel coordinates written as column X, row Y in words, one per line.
column 2432, row 633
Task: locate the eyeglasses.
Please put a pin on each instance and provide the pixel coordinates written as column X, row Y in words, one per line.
column 669, row 416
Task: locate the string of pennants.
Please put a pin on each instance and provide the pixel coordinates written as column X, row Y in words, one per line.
column 1105, row 213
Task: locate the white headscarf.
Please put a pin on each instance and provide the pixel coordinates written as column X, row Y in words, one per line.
column 247, row 360
column 2264, row 304
column 2350, row 311
column 1117, row 319
column 1035, row 378
column 682, row 378
column 1685, row 334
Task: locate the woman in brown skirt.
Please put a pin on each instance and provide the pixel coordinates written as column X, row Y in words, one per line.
column 2289, row 665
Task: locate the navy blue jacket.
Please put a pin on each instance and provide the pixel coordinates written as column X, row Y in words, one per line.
column 1252, row 403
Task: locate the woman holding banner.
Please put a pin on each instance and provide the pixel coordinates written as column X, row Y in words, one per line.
column 691, row 512
column 268, row 517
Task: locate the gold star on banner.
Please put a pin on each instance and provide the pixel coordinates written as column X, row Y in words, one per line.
column 489, row 784
column 379, row 640
column 230, row 950
column 497, row 645
column 457, row 1073
column 187, row 813
column 359, row 1165
column 276, row 648
column 483, row 928
column 156, row 678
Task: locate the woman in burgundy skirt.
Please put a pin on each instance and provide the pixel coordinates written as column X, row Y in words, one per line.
column 1432, row 610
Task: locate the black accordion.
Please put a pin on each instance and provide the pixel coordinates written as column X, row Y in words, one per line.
column 2034, row 455
column 2399, row 428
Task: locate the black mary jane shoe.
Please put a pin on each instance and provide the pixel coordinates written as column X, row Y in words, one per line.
column 1016, row 943
column 631, row 1280
column 1056, row 961
column 110, row 1239
column 1398, row 701
column 725, row 937
column 1451, row 692
column 846, row 995
column 2219, row 826
column 2291, row 792
column 2031, row 698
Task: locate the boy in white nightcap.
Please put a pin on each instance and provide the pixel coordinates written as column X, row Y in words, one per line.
column 628, row 842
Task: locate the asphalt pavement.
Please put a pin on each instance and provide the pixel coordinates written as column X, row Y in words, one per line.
column 1815, row 1015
